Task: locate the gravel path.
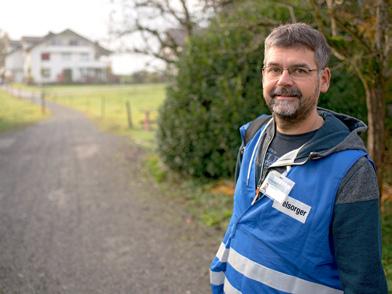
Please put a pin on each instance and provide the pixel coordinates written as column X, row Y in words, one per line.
column 77, row 216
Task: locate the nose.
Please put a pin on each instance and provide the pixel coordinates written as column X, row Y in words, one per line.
column 285, row 78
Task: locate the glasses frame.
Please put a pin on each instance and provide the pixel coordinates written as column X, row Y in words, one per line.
column 290, row 71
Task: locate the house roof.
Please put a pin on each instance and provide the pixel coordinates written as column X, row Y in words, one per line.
column 13, row 45
column 50, row 35
column 30, row 42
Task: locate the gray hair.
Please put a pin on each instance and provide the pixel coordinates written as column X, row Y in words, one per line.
column 300, row 35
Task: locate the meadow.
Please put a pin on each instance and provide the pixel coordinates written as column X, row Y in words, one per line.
column 16, row 113
column 126, row 110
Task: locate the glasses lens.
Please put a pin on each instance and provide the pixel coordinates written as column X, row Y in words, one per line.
column 295, row 72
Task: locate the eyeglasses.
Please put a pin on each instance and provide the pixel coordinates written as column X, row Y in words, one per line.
column 295, row 71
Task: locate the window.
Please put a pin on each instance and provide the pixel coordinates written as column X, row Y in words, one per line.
column 84, row 56
column 55, row 42
column 45, row 72
column 73, row 42
column 66, row 56
column 45, row 56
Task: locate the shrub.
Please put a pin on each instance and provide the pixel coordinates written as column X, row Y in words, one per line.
column 217, row 89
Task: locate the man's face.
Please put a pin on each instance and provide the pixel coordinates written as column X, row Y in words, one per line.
column 292, row 96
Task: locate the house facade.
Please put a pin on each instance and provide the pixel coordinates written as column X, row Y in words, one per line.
column 65, row 57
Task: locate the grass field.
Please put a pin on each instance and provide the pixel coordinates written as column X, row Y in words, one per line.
column 15, row 113
column 107, row 105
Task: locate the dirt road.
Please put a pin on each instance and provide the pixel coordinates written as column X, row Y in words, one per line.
column 77, row 216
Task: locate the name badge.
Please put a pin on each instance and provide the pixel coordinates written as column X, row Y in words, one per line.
column 277, row 186
column 293, row 208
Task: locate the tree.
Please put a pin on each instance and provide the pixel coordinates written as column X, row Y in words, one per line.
column 157, row 28
column 359, row 33
column 4, row 40
column 217, row 88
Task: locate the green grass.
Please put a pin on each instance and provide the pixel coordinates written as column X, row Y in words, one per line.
column 15, row 112
column 201, row 202
column 106, row 104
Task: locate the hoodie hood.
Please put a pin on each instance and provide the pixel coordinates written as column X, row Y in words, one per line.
column 339, row 132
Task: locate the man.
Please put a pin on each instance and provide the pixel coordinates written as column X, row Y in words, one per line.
column 306, row 203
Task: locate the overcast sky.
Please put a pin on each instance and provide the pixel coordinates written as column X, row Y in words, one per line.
column 89, row 18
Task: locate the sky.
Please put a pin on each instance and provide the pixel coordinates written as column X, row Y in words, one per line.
column 89, row 18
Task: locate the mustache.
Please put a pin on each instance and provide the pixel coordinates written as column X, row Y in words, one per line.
column 285, row 91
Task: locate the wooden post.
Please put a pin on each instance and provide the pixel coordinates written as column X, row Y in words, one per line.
column 43, row 104
column 129, row 115
column 103, row 107
column 146, row 122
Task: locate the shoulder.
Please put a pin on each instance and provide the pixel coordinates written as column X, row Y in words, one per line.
column 359, row 184
column 250, row 129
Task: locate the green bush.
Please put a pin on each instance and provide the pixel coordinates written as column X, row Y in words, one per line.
column 346, row 93
column 217, row 89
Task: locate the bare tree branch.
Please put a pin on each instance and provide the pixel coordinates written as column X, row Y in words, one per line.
column 332, row 17
column 291, row 10
column 367, row 29
column 165, row 25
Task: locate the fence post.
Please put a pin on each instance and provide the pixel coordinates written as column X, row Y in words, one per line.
column 43, row 104
column 129, row 116
column 146, row 121
column 103, row 107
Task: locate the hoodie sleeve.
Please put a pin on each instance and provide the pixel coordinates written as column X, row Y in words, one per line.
column 356, row 232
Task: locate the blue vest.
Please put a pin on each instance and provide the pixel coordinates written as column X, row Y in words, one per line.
column 283, row 248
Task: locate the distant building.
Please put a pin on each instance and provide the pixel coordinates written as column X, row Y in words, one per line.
column 65, row 57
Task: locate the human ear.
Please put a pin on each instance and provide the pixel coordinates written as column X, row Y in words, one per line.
column 325, row 80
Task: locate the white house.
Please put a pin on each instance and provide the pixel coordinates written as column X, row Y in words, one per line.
column 65, row 57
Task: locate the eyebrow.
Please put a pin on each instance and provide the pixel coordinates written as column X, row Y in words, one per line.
column 293, row 65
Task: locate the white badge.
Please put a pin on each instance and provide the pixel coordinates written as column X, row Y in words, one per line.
column 293, row 208
column 277, row 186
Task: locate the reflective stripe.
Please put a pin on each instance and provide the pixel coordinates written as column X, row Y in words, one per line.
column 222, row 253
column 229, row 289
column 274, row 279
column 217, row 278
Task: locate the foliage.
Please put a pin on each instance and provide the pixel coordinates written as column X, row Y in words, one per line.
column 155, row 168
column 346, row 93
column 202, row 202
column 217, row 89
column 143, row 77
column 359, row 33
column 4, row 40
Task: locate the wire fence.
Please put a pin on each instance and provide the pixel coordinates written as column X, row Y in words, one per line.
column 37, row 97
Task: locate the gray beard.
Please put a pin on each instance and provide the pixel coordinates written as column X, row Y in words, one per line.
column 286, row 110
column 295, row 110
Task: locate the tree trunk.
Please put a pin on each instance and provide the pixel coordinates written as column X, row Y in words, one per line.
column 376, row 132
